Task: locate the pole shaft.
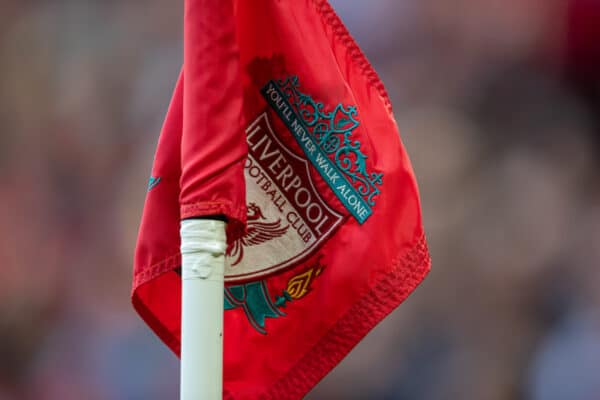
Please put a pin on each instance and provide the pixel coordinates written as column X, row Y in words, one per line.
column 203, row 261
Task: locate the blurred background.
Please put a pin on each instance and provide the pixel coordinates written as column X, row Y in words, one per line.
column 498, row 103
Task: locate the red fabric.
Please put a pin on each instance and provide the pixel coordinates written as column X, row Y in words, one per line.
column 212, row 149
column 315, row 269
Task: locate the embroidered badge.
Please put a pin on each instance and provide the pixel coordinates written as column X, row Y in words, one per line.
column 326, row 139
column 258, row 231
column 255, row 300
column 288, row 218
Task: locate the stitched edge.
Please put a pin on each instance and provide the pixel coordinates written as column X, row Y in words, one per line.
column 329, row 16
column 387, row 294
column 141, row 278
column 147, row 274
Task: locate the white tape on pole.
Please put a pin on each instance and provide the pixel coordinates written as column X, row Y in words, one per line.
column 203, row 245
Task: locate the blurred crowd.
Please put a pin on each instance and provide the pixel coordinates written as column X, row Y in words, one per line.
column 498, row 103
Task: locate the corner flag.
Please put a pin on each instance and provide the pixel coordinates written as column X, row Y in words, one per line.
column 280, row 124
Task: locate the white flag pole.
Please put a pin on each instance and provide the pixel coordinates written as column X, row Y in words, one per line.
column 203, row 245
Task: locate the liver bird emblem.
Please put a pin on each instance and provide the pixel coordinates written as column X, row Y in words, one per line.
column 257, row 232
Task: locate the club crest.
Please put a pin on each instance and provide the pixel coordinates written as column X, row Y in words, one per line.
column 288, row 217
column 258, row 231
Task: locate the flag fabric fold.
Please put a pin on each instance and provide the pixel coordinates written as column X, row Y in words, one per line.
column 279, row 123
column 212, row 148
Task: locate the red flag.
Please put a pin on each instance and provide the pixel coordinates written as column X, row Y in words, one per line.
column 333, row 241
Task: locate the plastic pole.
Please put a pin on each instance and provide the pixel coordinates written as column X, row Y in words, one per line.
column 203, row 244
